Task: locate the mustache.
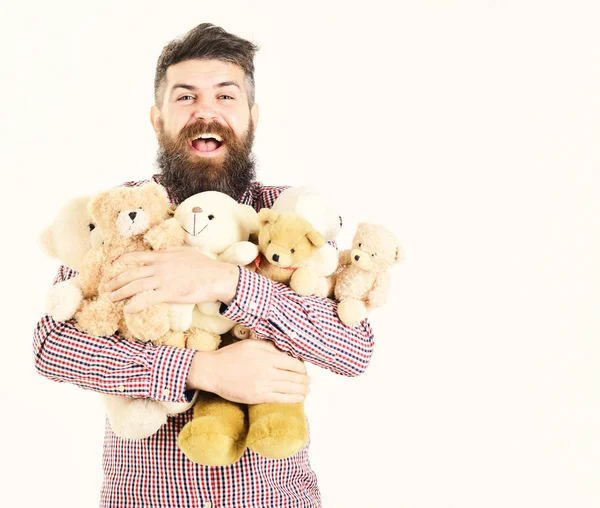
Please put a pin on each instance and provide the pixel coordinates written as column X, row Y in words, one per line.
column 196, row 129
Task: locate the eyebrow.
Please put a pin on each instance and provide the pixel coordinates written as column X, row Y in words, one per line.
column 192, row 88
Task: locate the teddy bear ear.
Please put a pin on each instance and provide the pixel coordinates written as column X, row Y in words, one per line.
column 248, row 218
column 98, row 204
column 155, row 191
column 266, row 215
column 46, row 242
column 315, row 238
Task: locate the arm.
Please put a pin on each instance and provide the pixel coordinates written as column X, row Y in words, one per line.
column 109, row 364
column 307, row 327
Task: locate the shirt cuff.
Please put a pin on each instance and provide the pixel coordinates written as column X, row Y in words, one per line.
column 169, row 375
column 252, row 300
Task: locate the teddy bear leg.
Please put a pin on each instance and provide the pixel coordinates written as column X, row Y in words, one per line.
column 149, row 324
column 134, row 418
column 172, row 338
column 98, row 317
column 201, row 340
column 216, row 436
column 351, row 311
column 304, row 281
column 277, row 431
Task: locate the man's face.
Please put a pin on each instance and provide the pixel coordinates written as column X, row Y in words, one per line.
column 205, row 128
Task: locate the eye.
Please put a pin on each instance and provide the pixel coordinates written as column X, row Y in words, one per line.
column 211, row 217
column 185, row 97
column 359, row 245
column 292, row 251
column 228, row 97
column 91, row 227
column 374, row 254
column 269, row 241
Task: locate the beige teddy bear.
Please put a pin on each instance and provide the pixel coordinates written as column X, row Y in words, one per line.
column 363, row 281
column 68, row 239
column 124, row 215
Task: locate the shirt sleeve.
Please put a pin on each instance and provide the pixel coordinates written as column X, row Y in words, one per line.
column 109, row 364
column 306, row 327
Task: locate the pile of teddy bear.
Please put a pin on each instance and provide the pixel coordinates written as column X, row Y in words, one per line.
column 291, row 243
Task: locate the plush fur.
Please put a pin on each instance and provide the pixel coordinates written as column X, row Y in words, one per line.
column 68, row 239
column 363, row 281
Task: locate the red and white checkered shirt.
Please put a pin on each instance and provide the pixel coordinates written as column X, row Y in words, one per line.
column 153, row 472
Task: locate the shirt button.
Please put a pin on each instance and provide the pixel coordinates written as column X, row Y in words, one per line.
column 121, row 388
column 166, row 393
column 207, row 505
column 293, row 335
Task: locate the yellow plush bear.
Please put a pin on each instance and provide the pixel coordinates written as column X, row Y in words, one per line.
column 363, row 281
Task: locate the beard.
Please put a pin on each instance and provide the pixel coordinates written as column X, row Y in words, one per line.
column 184, row 173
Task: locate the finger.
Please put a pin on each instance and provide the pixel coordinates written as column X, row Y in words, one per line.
column 134, row 288
column 288, row 388
column 143, row 257
column 140, row 272
column 293, row 377
column 283, row 398
column 285, row 362
column 143, row 301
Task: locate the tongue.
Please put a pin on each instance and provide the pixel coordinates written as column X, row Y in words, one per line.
column 205, row 145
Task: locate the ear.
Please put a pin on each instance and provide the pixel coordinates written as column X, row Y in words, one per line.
column 154, row 191
column 98, row 205
column 248, row 218
column 155, row 119
column 315, row 238
column 254, row 115
column 266, row 215
column 46, row 241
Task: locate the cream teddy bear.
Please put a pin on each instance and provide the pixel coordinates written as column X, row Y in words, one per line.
column 68, row 239
column 363, row 281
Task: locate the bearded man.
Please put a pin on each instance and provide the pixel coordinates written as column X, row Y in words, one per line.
column 204, row 117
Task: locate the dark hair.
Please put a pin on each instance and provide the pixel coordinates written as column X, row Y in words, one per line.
column 204, row 42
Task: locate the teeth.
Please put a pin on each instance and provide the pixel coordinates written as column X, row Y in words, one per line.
column 208, row 136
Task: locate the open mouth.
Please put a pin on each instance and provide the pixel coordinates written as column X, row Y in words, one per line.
column 206, row 144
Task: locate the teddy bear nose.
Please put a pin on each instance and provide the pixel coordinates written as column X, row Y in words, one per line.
column 197, row 209
column 132, row 215
column 357, row 257
column 275, row 257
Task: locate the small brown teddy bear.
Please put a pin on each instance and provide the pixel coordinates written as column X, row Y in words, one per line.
column 363, row 281
column 124, row 215
column 287, row 243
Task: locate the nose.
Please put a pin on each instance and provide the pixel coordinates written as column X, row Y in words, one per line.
column 132, row 215
column 356, row 258
column 197, row 209
column 204, row 110
column 275, row 257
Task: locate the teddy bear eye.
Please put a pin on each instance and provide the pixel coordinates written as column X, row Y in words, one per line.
column 91, row 227
column 360, row 245
column 211, row 217
column 373, row 255
column 292, row 251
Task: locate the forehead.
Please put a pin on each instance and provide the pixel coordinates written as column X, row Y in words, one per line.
column 204, row 73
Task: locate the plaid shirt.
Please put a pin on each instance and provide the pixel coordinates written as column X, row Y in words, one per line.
column 153, row 472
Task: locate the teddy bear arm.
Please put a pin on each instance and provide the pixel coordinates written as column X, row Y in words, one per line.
column 344, row 258
column 379, row 293
column 166, row 235
column 91, row 273
column 240, row 253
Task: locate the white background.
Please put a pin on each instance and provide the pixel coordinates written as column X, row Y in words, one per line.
column 469, row 128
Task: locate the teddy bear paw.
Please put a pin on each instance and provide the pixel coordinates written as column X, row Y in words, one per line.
column 351, row 311
column 138, row 419
column 277, row 435
column 63, row 300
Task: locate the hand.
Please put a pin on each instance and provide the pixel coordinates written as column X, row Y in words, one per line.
column 251, row 372
column 178, row 275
